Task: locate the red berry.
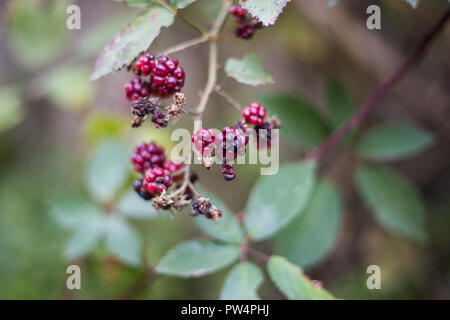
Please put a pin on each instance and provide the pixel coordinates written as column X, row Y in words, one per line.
column 245, row 30
column 203, row 140
column 254, row 114
column 157, row 180
column 167, row 77
column 136, row 88
column 238, row 13
column 145, row 63
column 147, row 155
column 231, row 142
column 173, row 167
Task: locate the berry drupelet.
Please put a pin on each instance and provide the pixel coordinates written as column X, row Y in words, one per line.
column 167, row 77
column 147, row 155
column 231, row 142
column 173, row 167
column 145, row 64
column 203, row 141
column 238, row 13
column 157, row 180
column 136, row 88
column 228, row 172
column 254, row 114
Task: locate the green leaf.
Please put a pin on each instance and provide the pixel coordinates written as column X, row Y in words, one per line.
column 242, row 282
column 394, row 202
column 302, row 125
column 11, row 109
column 227, row 228
column 85, row 238
column 339, row 104
column 196, row 258
column 69, row 87
column 107, row 170
column 311, row 235
column 266, row 11
column 123, row 241
column 137, row 3
column 290, row 279
column 72, row 213
column 248, row 70
column 133, row 206
column 181, row 4
column 393, row 140
column 101, row 125
column 275, row 200
column 136, row 37
column 413, row 3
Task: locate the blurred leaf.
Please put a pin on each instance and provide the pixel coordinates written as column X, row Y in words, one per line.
column 413, row 3
column 85, row 238
column 137, row 3
column 302, row 125
column 72, row 213
column 133, row 206
column 311, row 235
column 339, row 104
column 393, row 140
column 123, row 241
column 292, row 282
column 136, row 37
column 32, row 29
column 248, row 70
column 101, row 125
column 394, row 202
column 69, row 86
column 196, row 258
column 267, row 11
column 227, row 228
column 242, row 282
column 107, row 170
column 275, row 200
column 181, row 4
column 11, row 110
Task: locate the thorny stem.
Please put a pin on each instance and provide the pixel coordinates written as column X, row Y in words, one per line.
column 384, row 88
column 227, row 98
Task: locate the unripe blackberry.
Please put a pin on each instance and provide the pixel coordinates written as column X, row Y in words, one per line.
column 254, row 114
column 136, row 88
column 145, row 63
column 203, row 141
column 147, row 155
column 157, row 180
column 231, row 142
column 173, row 167
column 228, row 172
column 245, row 30
column 238, row 13
column 167, row 77
column 143, row 193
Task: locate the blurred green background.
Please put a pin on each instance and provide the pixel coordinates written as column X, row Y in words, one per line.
column 52, row 119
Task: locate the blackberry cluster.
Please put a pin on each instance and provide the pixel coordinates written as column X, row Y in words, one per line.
column 166, row 77
column 203, row 141
column 136, row 88
column 254, row 114
column 157, row 180
column 232, row 142
column 247, row 26
column 147, row 155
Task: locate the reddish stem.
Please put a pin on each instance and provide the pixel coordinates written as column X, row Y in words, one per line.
column 384, row 88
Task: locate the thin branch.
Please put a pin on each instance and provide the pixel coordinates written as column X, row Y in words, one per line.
column 384, row 88
column 175, row 11
column 186, row 45
column 228, row 98
column 258, row 254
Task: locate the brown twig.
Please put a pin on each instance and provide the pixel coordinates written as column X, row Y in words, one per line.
column 384, row 88
column 227, row 97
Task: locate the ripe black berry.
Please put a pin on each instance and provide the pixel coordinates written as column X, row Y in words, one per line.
column 147, row 155
column 136, row 89
column 203, row 140
column 167, row 77
column 231, row 142
column 254, row 114
column 228, row 172
column 157, row 180
column 245, row 30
